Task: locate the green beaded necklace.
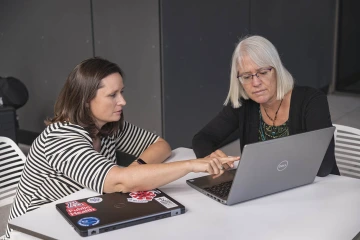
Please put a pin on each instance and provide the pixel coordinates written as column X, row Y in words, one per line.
column 267, row 132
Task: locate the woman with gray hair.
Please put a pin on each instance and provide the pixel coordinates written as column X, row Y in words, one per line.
column 263, row 104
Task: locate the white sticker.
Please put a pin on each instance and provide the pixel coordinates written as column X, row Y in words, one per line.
column 134, row 200
column 94, row 200
column 166, row 202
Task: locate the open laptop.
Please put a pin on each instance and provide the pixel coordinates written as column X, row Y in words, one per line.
column 103, row 213
column 269, row 167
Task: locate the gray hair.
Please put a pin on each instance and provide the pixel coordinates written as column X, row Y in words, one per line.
column 263, row 53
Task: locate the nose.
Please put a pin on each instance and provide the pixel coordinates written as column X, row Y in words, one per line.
column 256, row 80
column 121, row 101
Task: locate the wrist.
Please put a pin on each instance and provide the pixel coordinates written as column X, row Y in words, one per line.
column 190, row 165
column 140, row 161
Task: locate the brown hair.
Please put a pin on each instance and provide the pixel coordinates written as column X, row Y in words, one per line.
column 79, row 89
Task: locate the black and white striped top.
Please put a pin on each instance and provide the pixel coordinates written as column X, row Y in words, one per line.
column 62, row 160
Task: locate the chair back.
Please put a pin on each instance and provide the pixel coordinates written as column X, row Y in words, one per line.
column 12, row 161
column 347, row 150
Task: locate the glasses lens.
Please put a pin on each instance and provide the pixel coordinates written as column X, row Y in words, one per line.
column 264, row 72
column 246, row 77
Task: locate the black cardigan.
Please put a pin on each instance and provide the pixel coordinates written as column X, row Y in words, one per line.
column 309, row 110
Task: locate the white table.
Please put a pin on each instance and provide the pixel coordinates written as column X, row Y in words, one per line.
column 327, row 209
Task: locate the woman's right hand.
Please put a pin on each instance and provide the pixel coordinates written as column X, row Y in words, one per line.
column 219, row 153
column 212, row 165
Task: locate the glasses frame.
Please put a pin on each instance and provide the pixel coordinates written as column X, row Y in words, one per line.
column 252, row 75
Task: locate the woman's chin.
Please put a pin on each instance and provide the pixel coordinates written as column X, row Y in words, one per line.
column 115, row 119
column 260, row 99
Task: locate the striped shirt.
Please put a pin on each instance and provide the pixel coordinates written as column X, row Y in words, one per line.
column 62, row 160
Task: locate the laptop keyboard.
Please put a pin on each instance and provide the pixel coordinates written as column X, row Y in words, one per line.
column 220, row 190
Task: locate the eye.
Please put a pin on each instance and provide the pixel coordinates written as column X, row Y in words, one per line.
column 263, row 72
column 112, row 95
column 246, row 77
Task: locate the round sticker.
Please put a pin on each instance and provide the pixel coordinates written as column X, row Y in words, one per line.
column 88, row 221
column 94, row 200
column 143, row 195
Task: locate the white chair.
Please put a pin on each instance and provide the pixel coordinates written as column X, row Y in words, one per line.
column 347, row 150
column 12, row 161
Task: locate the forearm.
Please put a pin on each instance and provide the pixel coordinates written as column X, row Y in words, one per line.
column 144, row 177
column 156, row 152
column 216, row 131
column 150, row 176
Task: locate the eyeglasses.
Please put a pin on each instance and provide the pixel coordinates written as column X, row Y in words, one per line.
column 261, row 74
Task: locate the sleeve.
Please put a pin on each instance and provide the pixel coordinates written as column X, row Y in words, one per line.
column 317, row 116
column 216, row 131
column 134, row 140
column 73, row 155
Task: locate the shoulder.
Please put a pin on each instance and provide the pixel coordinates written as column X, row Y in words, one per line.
column 64, row 130
column 248, row 105
column 244, row 103
column 306, row 93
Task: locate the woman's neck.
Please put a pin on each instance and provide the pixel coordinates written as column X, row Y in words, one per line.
column 273, row 104
column 97, row 143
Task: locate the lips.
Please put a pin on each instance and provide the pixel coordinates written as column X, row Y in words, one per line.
column 259, row 92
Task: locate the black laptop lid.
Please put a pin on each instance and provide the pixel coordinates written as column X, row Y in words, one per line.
column 118, row 210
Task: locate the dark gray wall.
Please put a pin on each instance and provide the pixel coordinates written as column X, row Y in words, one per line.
column 40, row 42
column 127, row 32
column 199, row 38
column 198, row 41
column 303, row 33
column 349, row 48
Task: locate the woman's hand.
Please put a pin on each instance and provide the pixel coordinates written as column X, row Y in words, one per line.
column 219, row 153
column 212, row 165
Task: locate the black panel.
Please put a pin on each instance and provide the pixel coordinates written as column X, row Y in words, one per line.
column 198, row 40
column 40, row 43
column 8, row 123
column 303, row 33
column 349, row 49
column 127, row 33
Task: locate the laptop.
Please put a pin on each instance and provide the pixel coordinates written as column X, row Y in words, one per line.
column 269, row 167
column 103, row 213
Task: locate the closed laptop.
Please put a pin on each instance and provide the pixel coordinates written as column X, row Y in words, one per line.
column 113, row 211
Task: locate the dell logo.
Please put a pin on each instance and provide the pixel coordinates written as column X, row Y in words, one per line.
column 282, row 166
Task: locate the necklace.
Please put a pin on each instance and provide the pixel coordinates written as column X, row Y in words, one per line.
column 273, row 120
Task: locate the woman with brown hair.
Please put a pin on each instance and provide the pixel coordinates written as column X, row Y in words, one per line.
column 77, row 149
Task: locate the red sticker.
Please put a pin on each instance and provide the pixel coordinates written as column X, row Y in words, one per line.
column 143, row 195
column 75, row 208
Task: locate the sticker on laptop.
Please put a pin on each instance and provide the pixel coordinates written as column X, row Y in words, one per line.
column 88, row 221
column 142, row 196
column 94, row 200
column 166, row 202
column 74, row 208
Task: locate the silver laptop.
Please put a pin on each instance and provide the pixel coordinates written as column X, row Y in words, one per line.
column 269, row 167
